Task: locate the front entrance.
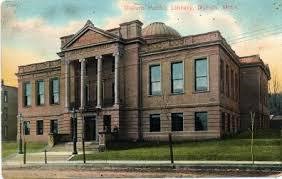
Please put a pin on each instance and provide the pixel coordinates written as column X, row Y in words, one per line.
column 90, row 128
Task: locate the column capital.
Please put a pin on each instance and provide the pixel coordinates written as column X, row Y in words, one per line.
column 66, row 62
column 82, row 60
column 98, row 57
column 117, row 53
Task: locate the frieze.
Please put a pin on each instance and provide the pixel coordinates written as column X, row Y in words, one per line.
column 40, row 66
column 189, row 40
column 91, row 51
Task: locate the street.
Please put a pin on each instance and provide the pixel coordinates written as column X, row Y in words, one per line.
column 86, row 172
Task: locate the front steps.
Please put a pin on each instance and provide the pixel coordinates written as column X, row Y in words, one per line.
column 91, row 146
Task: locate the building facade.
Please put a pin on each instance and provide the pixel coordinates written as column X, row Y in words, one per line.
column 9, row 108
column 136, row 83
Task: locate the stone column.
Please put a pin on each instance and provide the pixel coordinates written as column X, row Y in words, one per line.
column 116, row 87
column 67, row 71
column 82, row 83
column 99, row 81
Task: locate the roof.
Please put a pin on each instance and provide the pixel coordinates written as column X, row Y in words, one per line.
column 159, row 29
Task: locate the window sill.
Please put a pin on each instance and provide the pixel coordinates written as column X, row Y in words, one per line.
column 55, row 104
column 27, row 106
column 196, row 92
column 175, row 94
column 40, row 105
column 154, row 95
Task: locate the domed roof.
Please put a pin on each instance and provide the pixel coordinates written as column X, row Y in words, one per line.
column 159, row 29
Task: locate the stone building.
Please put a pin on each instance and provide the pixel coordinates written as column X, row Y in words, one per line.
column 9, row 108
column 136, row 83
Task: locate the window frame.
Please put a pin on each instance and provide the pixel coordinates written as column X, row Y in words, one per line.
column 172, row 80
column 5, row 100
column 151, row 127
column 195, row 74
column 222, row 76
column 195, row 121
column 52, row 128
column 39, row 129
column 52, row 102
column 150, row 82
column 173, row 126
column 38, row 95
column 26, row 130
column 25, row 97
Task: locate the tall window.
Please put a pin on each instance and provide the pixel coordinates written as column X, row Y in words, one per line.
column 55, row 92
column 201, row 74
column 107, row 123
column 201, row 121
column 54, row 126
column 227, row 81
column 155, row 125
column 232, row 84
column 5, row 113
column 222, row 122
column 155, row 80
column 221, row 76
column 228, row 122
column 26, row 126
column 236, row 87
column 39, row 127
column 5, row 96
column 177, row 85
column 27, row 94
column 177, row 122
column 40, row 92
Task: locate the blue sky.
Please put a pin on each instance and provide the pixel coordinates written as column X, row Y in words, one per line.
column 31, row 28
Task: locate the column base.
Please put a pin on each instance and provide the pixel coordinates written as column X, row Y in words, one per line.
column 98, row 106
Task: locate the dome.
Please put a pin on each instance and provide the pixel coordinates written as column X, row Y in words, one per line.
column 159, row 30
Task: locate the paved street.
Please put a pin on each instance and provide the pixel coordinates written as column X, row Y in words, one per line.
column 86, row 172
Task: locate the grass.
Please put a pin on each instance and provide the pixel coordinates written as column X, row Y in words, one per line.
column 267, row 147
column 11, row 147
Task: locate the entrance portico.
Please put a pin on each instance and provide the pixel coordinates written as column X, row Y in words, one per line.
column 89, row 84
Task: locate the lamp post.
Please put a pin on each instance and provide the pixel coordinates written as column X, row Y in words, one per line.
column 74, row 121
column 20, row 118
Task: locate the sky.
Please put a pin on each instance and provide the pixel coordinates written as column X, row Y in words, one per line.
column 30, row 29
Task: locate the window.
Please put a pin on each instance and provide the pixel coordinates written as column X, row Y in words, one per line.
column 5, row 113
column 155, row 125
column 5, row 96
column 221, row 76
column 39, row 127
column 201, row 75
column 55, row 93
column 177, row 84
column 27, row 94
column 54, row 126
column 87, row 94
column 232, row 84
column 155, row 80
column 107, row 123
column 5, row 131
column 113, row 92
column 236, row 87
column 177, row 122
column 233, row 124
column 227, row 80
column 201, row 121
column 40, row 92
column 222, row 122
column 228, row 122
column 26, row 126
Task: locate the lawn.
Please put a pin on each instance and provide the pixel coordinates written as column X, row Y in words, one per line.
column 267, row 147
column 10, row 147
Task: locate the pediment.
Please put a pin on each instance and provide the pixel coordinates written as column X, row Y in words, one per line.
column 89, row 35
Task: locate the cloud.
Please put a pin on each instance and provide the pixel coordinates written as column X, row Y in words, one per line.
column 35, row 33
column 189, row 18
column 129, row 11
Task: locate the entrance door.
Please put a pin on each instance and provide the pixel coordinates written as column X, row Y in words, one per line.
column 90, row 128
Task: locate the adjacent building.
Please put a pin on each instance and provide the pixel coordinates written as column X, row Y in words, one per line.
column 136, row 83
column 9, row 108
